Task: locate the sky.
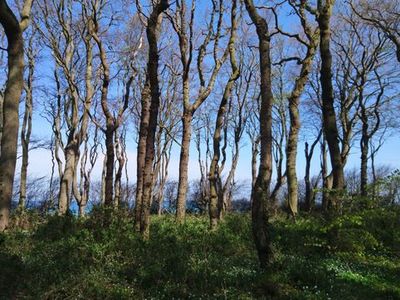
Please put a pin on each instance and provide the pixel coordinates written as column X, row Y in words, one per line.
column 40, row 159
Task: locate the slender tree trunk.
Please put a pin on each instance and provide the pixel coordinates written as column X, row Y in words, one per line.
column 67, row 179
column 164, row 177
column 26, row 129
column 103, row 181
column 254, row 153
column 216, row 195
column 294, row 100
column 184, row 166
column 374, row 177
column 12, row 95
column 153, row 27
column 328, row 110
column 364, row 145
column 308, row 196
column 118, row 174
column 261, row 206
column 141, row 151
column 109, row 180
column 325, row 176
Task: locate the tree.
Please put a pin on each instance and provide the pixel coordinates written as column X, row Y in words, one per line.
column 26, row 129
column 216, row 198
column 152, row 31
column 260, row 193
column 311, row 44
column 383, row 15
column 57, row 26
column 185, row 33
column 324, row 13
column 15, row 50
column 113, row 121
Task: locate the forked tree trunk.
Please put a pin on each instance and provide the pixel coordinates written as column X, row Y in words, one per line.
column 294, row 101
column 186, row 55
column 216, row 195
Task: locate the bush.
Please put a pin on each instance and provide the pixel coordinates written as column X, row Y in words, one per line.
column 101, row 257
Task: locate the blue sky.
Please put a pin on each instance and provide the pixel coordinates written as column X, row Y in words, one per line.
column 40, row 159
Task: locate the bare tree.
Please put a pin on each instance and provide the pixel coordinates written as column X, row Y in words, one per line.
column 310, row 42
column 26, row 129
column 152, row 31
column 185, row 32
column 383, row 15
column 216, row 198
column 63, row 35
column 323, row 13
column 260, row 193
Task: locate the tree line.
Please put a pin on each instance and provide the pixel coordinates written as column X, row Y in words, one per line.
column 212, row 75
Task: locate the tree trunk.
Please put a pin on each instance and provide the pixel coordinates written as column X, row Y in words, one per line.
column 118, row 174
column 326, row 178
column 109, row 180
column 67, row 178
column 364, row 145
column 183, row 166
column 103, row 181
column 26, row 130
column 294, row 100
column 1, row 116
column 164, row 177
column 141, row 151
column 261, row 208
column 328, row 110
column 308, row 190
column 216, row 195
column 153, row 27
column 12, row 94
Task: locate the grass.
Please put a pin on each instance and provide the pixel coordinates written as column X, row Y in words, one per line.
column 352, row 257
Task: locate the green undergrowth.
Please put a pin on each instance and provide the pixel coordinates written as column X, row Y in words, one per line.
column 352, row 257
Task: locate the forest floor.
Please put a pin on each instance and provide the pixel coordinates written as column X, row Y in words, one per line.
column 356, row 256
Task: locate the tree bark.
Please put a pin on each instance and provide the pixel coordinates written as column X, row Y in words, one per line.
column 141, row 151
column 66, row 181
column 184, row 165
column 109, row 179
column 294, row 100
column 26, row 129
column 328, row 110
column 310, row 195
column 152, row 30
column 118, row 174
column 12, row 94
column 261, row 208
